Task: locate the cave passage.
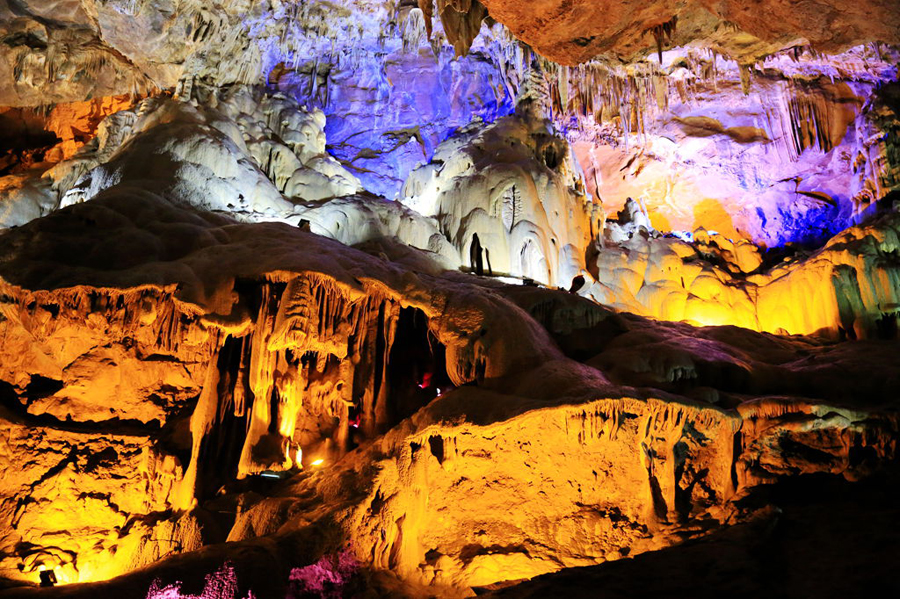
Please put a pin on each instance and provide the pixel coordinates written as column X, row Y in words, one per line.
column 417, row 370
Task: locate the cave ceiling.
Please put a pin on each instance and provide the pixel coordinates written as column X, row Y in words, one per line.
column 575, row 32
column 73, row 49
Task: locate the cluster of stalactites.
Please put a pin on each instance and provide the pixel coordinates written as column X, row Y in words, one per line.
column 601, row 92
column 534, row 93
column 310, row 37
column 148, row 316
column 63, row 54
column 309, row 378
column 461, row 20
column 663, row 33
column 311, row 332
column 631, row 97
column 810, row 116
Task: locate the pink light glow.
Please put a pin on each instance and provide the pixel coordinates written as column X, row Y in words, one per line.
column 426, row 381
column 221, row 584
column 328, row 578
column 332, row 577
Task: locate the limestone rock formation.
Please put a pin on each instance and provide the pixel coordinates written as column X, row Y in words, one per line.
column 847, row 288
column 804, row 148
column 516, row 187
column 573, row 32
column 434, row 299
column 295, row 350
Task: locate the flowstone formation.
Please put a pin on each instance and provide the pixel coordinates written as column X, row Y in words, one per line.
column 313, row 299
column 513, row 190
column 846, row 289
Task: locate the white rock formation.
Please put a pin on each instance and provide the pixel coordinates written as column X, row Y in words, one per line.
column 515, row 185
column 848, row 288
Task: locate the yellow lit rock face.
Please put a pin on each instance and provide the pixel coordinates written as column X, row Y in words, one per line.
column 845, row 288
column 581, row 485
column 536, row 454
column 81, row 491
column 316, row 351
column 560, row 486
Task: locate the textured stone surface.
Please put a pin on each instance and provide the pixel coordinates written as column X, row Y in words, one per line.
column 231, row 365
column 574, row 32
column 529, row 431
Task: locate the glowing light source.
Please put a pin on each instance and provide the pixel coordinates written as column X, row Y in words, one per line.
column 317, row 462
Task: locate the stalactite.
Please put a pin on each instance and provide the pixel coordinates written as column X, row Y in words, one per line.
column 563, row 83
column 412, row 29
column 745, row 74
column 461, row 20
column 663, row 33
column 811, row 119
column 316, row 352
column 427, row 8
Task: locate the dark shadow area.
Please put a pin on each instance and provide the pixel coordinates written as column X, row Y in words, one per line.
column 580, row 327
column 825, row 538
column 417, row 368
column 220, row 450
column 23, row 139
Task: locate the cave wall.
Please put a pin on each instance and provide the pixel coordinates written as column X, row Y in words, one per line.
column 235, row 326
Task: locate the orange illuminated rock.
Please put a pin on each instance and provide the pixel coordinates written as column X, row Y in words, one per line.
column 574, row 32
column 75, row 123
column 216, row 346
column 456, row 431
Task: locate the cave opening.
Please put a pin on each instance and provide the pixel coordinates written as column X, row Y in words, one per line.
column 220, row 450
column 417, row 368
column 887, row 325
column 24, row 139
column 41, row 386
